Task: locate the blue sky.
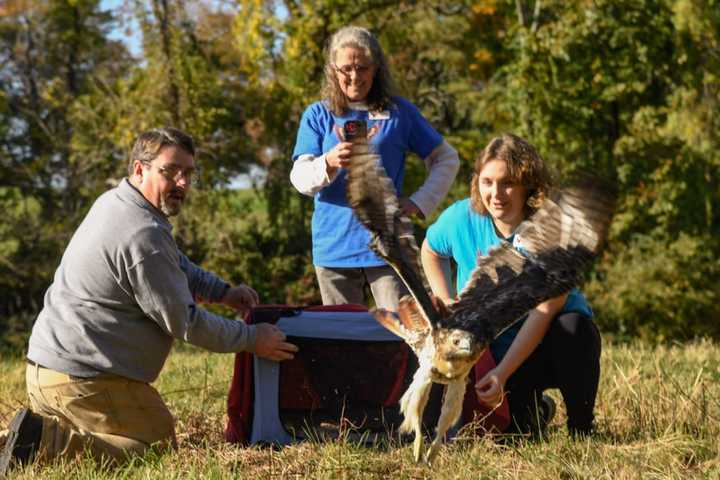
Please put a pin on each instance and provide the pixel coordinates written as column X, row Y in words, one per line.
column 129, row 33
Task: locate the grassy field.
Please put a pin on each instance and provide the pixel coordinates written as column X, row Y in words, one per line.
column 658, row 416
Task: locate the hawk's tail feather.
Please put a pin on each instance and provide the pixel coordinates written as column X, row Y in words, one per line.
column 409, row 323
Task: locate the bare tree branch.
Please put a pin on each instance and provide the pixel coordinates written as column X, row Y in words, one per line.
column 520, row 12
column 536, row 16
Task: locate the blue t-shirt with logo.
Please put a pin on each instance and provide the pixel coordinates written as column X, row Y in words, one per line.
column 339, row 239
column 462, row 234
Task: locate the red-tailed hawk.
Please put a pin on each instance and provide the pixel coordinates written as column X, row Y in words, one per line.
column 559, row 241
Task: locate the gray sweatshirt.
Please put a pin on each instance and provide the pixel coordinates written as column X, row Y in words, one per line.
column 123, row 292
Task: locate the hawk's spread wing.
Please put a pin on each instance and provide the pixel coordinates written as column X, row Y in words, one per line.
column 559, row 240
column 576, row 216
column 372, row 196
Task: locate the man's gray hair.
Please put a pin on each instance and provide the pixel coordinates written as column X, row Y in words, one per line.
column 149, row 144
column 383, row 87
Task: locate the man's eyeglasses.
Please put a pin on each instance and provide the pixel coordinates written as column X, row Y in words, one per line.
column 348, row 69
column 175, row 173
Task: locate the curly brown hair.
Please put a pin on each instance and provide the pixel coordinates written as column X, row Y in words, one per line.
column 383, row 87
column 524, row 164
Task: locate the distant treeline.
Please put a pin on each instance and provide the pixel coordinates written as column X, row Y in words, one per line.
column 628, row 89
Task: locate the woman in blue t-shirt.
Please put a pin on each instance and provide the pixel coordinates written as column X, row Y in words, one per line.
column 358, row 86
column 557, row 343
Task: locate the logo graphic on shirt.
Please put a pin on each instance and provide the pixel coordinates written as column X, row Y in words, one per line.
column 353, row 129
column 373, row 130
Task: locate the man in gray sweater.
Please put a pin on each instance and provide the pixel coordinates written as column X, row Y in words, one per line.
column 121, row 295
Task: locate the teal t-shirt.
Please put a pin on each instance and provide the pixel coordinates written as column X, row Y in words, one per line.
column 463, row 234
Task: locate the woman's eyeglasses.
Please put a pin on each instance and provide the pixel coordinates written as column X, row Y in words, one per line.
column 347, row 70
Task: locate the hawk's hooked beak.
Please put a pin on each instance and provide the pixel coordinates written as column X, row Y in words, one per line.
column 460, row 346
column 464, row 345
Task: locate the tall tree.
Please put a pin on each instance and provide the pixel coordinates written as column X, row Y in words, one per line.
column 49, row 52
column 663, row 279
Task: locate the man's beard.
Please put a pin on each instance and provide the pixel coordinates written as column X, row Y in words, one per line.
column 171, row 208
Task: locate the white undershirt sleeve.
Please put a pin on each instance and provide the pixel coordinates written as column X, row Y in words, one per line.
column 309, row 174
column 442, row 164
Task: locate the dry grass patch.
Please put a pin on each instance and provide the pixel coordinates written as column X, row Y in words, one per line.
column 658, row 417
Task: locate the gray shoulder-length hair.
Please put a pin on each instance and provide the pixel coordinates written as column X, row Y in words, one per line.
column 383, row 88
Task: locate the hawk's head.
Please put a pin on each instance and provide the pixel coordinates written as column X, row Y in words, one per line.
column 449, row 353
column 455, row 353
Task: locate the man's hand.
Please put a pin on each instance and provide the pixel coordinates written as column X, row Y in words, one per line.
column 409, row 209
column 490, row 389
column 270, row 343
column 241, row 298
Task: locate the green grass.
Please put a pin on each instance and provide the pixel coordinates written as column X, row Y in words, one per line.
column 658, row 416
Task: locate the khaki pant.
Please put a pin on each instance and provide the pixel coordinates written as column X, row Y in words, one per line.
column 345, row 285
column 109, row 416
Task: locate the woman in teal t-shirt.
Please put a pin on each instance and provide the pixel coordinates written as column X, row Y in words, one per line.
column 557, row 344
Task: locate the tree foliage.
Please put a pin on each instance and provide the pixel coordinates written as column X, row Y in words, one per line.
column 49, row 52
column 627, row 89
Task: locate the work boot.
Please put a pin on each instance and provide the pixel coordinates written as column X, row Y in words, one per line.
column 547, row 409
column 23, row 440
column 542, row 416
